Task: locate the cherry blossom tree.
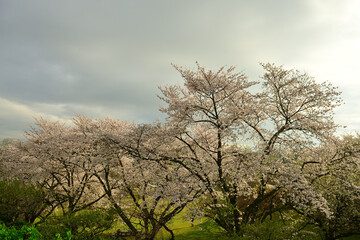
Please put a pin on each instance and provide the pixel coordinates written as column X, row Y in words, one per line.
column 145, row 193
column 238, row 143
column 57, row 158
column 334, row 172
column 80, row 164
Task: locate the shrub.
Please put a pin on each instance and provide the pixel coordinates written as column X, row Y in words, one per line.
column 20, row 203
column 87, row 224
column 25, row 232
column 287, row 226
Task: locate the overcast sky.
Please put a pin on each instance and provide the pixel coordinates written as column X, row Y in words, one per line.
column 107, row 58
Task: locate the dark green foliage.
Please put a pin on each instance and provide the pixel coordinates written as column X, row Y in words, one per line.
column 88, row 224
column 24, row 233
column 68, row 236
column 277, row 229
column 20, row 203
column 27, row 232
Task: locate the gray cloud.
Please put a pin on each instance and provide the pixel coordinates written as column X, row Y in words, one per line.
column 106, row 58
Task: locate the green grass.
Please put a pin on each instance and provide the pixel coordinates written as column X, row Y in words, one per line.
column 202, row 229
column 355, row 237
column 206, row 230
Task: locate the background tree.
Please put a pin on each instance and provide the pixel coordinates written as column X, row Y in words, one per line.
column 5, row 146
column 335, row 174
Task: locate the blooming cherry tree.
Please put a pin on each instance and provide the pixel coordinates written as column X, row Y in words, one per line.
column 146, row 193
column 238, row 143
column 58, row 158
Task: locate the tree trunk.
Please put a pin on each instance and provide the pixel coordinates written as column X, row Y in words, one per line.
column 152, row 234
column 330, row 235
column 235, row 214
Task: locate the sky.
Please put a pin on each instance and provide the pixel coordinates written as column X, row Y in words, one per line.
column 107, row 58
